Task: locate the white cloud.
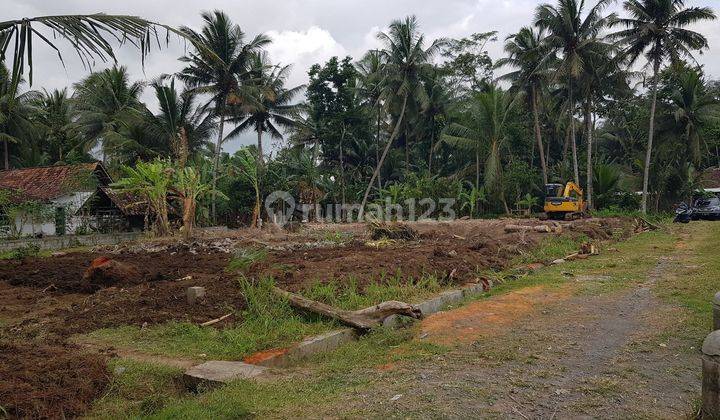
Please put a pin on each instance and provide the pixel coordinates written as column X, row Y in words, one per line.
column 302, row 49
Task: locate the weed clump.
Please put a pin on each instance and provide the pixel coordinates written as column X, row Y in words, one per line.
column 395, row 231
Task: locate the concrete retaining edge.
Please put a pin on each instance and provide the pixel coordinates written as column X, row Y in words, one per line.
column 332, row 340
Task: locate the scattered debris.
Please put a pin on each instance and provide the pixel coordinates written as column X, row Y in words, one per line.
column 643, row 225
column 397, row 231
column 216, row 320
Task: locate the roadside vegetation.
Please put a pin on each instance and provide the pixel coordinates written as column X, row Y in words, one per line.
column 416, row 118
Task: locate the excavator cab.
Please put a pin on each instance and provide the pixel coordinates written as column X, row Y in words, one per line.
column 564, row 202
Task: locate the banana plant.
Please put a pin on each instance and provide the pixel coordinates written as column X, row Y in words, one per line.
column 470, row 200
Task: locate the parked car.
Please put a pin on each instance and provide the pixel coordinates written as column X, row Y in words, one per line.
column 707, row 208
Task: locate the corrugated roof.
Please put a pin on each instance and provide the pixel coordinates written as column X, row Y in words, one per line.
column 50, row 182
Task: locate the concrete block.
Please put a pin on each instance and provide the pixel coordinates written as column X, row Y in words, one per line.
column 312, row 346
column 194, row 294
column 215, row 373
column 436, row 304
column 474, row 289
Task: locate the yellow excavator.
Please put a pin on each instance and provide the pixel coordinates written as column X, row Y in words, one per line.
column 564, row 202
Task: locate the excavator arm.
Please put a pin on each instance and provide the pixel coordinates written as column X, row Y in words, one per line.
column 570, row 187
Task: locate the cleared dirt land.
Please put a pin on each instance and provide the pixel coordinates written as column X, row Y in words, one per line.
column 45, row 300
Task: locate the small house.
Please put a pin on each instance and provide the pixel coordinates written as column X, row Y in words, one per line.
column 64, row 199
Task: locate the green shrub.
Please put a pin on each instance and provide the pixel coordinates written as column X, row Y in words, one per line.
column 30, row 250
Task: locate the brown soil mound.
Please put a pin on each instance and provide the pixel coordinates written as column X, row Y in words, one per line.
column 41, row 381
column 65, row 273
column 50, row 298
column 105, row 272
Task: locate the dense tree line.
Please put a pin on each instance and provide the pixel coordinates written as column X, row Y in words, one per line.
column 614, row 102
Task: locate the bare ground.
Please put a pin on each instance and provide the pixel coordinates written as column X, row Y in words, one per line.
column 567, row 351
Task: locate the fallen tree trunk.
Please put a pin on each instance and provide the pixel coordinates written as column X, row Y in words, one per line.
column 521, row 228
column 363, row 319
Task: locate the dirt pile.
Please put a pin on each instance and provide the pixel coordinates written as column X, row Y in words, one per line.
column 65, row 272
column 105, row 272
column 48, row 297
column 393, row 231
column 42, row 381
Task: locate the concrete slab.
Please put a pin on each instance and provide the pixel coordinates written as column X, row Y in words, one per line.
column 436, row 304
column 312, row 346
column 216, row 372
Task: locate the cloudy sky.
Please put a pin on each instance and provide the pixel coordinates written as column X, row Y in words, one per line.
column 304, row 32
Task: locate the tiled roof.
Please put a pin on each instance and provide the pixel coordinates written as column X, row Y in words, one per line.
column 129, row 204
column 49, row 182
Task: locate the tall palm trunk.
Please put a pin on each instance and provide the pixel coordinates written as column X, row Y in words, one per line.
column 538, row 134
column 477, row 169
column 432, row 146
column 342, row 170
column 571, row 106
column 589, row 174
column 651, row 133
column 395, row 133
column 216, row 166
column 407, row 150
column 6, row 154
column 261, row 159
column 377, row 140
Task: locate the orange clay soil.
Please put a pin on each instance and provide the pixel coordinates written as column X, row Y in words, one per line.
column 486, row 317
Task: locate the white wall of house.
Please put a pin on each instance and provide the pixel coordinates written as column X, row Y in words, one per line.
column 71, row 202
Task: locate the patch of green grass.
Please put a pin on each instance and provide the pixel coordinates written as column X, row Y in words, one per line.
column 137, row 389
column 267, row 322
column 626, row 263
column 20, row 253
column 657, row 218
column 351, row 368
column 337, row 237
column 348, row 294
column 696, row 277
column 243, row 259
column 550, row 249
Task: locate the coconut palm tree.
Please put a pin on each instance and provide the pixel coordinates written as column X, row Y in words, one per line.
column 658, row 29
column 55, row 116
column 89, row 35
column 527, row 53
column 602, row 75
column 693, row 110
column 107, row 104
column 371, row 69
column 180, row 125
column 219, row 66
column 273, row 109
column 14, row 112
column 489, row 117
column 405, row 57
column 576, row 38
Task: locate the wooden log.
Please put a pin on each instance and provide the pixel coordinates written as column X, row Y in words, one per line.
column 517, row 228
column 363, row 319
column 542, row 229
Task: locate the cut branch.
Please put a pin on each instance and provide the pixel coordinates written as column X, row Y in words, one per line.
column 363, row 319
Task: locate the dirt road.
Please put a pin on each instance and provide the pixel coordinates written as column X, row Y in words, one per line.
column 599, row 344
